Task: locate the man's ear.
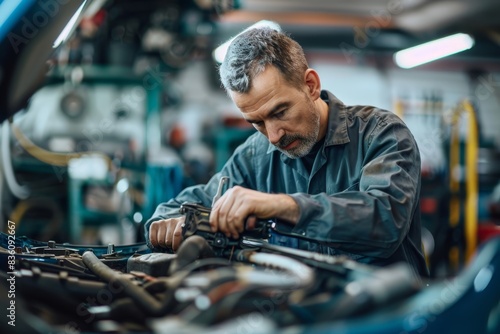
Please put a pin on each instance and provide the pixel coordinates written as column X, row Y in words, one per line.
column 313, row 83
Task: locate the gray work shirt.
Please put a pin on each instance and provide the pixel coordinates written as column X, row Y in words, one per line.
column 360, row 198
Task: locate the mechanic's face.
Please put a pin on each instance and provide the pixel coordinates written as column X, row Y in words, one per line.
column 287, row 116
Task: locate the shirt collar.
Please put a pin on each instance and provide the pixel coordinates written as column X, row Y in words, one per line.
column 337, row 122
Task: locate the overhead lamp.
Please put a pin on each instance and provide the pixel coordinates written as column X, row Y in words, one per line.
column 433, row 50
column 220, row 52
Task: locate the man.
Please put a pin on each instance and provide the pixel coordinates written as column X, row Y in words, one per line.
column 346, row 177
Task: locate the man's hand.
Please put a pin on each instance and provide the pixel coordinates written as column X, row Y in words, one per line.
column 240, row 206
column 166, row 233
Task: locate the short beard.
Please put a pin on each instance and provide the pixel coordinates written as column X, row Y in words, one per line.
column 304, row 147
column 306, row 143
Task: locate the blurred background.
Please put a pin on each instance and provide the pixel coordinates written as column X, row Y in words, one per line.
column 131, row 111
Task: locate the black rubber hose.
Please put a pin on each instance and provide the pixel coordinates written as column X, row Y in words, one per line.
column 383, row 286
column 191, row 249
column 125, row 309
column 147, row 302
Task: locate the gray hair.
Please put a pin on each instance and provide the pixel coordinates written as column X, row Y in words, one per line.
column 250, row 53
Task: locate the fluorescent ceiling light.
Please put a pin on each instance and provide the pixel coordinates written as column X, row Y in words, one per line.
column 219, row 53
column 69, row 27
column 433, row 50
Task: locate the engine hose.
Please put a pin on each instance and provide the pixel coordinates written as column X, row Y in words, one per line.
column 156, row 286
column 60, row 292
column 191, row 249
column 147, row 302
column 296, row 275
column 383, row 286
column 301, row 275
column 225, row 289
column 207, row 263
column 125, row 309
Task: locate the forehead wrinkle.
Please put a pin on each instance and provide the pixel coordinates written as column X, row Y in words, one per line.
column 260, row 107
column 267, row 113
column 253, row 102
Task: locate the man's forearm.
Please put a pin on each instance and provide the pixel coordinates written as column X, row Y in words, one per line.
column 288, row 209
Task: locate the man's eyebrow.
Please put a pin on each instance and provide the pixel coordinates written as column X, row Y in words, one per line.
column 276, row 108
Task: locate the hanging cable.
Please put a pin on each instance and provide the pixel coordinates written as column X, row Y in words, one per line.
column 51, row 158
column 20, row 191
column 24, row 206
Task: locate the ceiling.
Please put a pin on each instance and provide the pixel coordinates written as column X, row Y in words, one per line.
column 411, row 15
column 373, row 25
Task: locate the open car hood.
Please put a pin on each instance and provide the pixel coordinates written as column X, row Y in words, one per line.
column 28, row 32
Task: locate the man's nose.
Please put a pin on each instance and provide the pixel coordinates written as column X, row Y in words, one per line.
column 274, row 134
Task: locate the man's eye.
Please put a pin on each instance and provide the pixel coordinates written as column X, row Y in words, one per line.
column 280, row 114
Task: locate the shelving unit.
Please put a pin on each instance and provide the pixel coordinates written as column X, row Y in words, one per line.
column 226, row 141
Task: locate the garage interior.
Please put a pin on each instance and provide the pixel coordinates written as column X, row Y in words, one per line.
column 129, row 111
